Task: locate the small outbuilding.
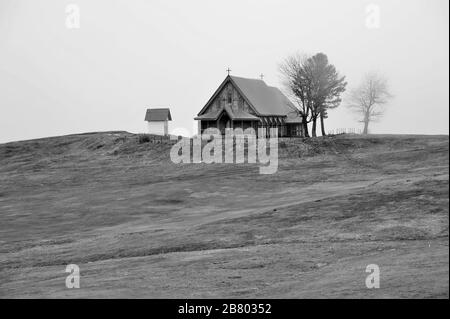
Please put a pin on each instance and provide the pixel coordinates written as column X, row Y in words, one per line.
column 157, row 120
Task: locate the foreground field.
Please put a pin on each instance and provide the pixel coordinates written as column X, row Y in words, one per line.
column 140, row 226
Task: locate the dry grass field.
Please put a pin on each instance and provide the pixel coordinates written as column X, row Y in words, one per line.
column 140, row 226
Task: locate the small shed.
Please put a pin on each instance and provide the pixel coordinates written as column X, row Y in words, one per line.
column 157, row 121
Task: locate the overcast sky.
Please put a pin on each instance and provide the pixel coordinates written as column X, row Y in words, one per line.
column 132, row 54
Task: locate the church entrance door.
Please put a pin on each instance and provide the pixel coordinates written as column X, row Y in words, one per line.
column 223, row 122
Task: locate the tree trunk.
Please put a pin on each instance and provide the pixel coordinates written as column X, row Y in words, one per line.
column 366, row 127
column 305, row 126
column 314, row 127
column 322, row 126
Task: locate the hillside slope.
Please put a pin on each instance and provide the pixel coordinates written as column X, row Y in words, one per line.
column 140, row 226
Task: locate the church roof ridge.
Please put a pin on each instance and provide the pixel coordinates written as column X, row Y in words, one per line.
column 265, row 100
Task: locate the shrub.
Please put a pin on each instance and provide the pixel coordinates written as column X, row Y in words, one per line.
column 143, row 138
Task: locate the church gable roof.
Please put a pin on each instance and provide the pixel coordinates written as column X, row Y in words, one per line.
column 267, row 100
column 263, row 99
column 234, row 115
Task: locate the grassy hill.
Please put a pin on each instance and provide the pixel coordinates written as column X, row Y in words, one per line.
column 140, row 226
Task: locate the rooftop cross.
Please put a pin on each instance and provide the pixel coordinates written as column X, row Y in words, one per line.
column 261, row 76
column 228, row 70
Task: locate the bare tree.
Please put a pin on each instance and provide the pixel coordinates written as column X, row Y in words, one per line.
column 314, row 85
column 297, row 84
column 368, row 100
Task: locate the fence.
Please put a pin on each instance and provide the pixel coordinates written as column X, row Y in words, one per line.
column 345, row 131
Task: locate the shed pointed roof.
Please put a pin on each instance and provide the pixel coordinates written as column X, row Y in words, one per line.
column 159, row 114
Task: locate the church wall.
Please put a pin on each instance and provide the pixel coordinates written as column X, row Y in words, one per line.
column 230, row 96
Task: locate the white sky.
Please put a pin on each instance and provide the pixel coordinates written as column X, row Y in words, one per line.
column 132, row 54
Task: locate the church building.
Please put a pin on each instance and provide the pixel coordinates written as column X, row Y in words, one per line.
column 243, row 103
